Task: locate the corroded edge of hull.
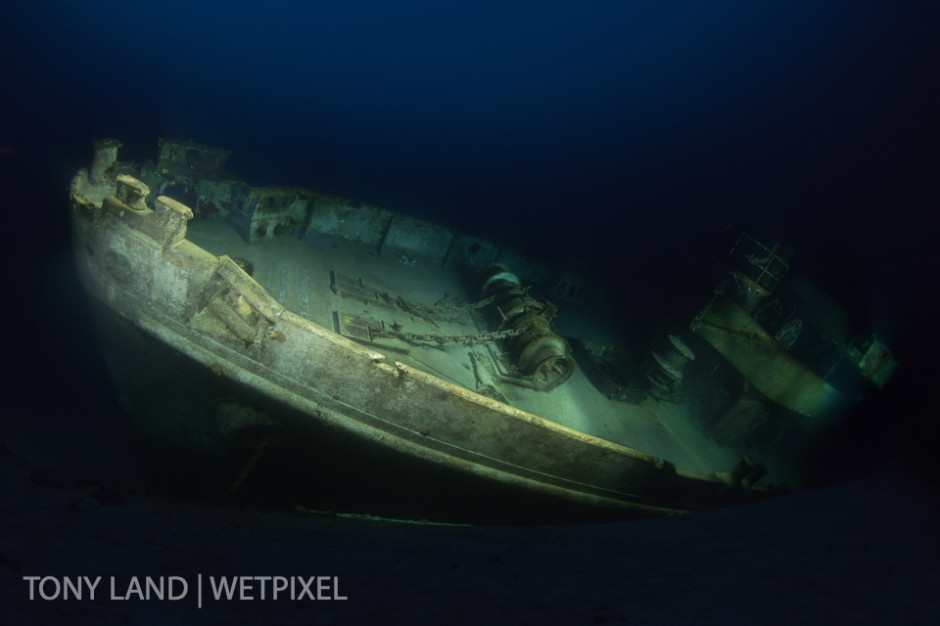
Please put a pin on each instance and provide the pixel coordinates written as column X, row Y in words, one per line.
column 138, row 263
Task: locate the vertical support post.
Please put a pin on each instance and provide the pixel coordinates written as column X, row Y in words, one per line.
column 102, row 164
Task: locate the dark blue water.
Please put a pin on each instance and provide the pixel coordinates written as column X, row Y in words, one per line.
column 626, row 134
column 616, row 124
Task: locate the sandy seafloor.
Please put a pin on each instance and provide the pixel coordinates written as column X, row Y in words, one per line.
column 860, row 552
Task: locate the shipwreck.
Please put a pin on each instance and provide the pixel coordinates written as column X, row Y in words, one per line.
column 371, row 361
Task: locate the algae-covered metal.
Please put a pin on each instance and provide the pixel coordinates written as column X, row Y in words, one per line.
column 350, row 359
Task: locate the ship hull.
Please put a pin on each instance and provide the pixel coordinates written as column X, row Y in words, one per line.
column 224, row 384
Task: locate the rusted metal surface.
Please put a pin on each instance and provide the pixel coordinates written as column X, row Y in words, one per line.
column 764, row 362
column 276, row 212
column 768, row 349
column 189, row 155
column 139, row 264
column 542, row 357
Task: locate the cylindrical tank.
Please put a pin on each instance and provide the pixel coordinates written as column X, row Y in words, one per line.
column 541, row 355
column 670, row 358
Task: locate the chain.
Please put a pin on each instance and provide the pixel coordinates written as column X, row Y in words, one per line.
column 444, row 339
column 470, row 306
column 431, row 313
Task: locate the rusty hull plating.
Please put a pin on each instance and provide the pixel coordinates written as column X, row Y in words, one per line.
column 138, row 262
